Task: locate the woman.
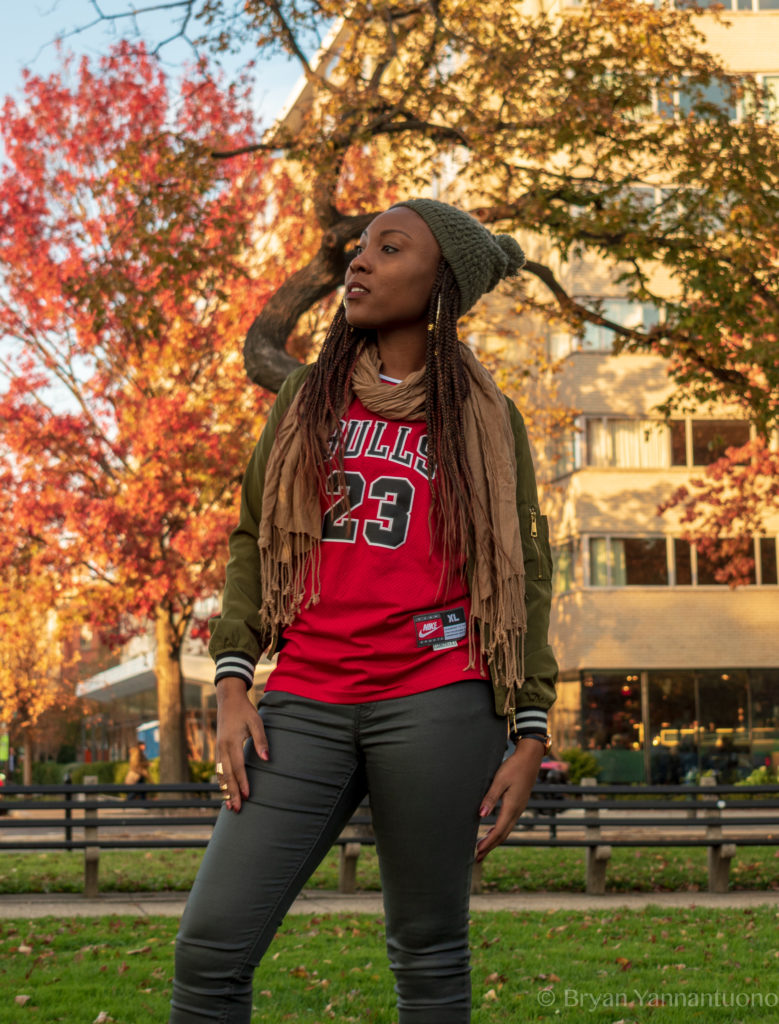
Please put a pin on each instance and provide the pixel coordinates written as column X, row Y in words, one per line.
column 390, row 548
column 138, row 771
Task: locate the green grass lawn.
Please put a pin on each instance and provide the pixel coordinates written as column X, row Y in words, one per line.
column 713, row 966
column 505, row 870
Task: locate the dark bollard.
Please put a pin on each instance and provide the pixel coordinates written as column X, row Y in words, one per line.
column 68, row 813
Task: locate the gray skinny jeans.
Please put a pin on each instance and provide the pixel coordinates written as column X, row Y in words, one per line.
column 426, row 761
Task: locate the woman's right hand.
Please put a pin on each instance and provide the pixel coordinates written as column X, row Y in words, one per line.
column 236, row 720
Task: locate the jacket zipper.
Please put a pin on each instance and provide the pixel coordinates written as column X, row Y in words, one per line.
column 534, row 535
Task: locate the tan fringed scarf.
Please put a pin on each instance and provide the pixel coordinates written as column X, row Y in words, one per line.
column 291, row 526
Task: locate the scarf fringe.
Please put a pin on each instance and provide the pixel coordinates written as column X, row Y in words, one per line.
column 285, row 566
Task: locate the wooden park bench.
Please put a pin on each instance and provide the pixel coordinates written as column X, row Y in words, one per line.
column 94, row 817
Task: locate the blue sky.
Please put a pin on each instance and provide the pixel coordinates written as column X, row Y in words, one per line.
column 27, row 31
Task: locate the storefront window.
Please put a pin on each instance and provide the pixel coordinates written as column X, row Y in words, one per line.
column 611, row 704
column 724, row 737
column 673, row 731
column 764, row 686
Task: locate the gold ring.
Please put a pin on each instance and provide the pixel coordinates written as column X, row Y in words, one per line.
column 220, row 768
column 225, row 796
column 223, row 786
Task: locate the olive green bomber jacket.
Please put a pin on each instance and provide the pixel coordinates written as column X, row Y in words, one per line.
column 239, row 632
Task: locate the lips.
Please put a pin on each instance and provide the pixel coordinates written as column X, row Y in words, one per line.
column 354, row 290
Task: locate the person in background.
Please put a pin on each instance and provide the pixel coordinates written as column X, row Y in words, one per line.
column 138, row 771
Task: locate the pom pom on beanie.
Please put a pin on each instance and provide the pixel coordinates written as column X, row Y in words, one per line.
column 478, row 258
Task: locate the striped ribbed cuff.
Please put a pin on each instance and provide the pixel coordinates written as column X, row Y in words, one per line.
column 234, row 663
column 530, row 720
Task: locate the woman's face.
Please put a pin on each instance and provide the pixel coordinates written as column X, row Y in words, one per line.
column 389, row 281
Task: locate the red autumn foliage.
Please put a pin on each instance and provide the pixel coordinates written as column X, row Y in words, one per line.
column 125, row 292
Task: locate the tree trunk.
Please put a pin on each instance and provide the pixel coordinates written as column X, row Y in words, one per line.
column 174, row 766
column 27, row 760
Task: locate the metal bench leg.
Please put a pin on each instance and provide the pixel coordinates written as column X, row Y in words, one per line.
column 91, row 856
column 719, row 858
column 347, row 868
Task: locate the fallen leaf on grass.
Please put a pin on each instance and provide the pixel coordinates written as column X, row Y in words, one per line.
column 21, row 1000
column 102, row 1018
column 490, row 994
column 491, row 979
column 26, row 950
column 141, row 949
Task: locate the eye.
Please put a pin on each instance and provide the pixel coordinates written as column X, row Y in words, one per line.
column 355, row 251
column 388, row 248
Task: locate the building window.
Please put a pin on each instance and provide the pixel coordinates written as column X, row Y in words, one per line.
column 684, row 97
column 627, row 444
column 639, row 316
column 768, row 569
column 694, row 567
column 682, row 563
column 702, row 442
column 563, row 561
column 707, row 569
column 628, row 562
column 711, row 438
column 771, row 85
column 563, row 454
column 730, row 5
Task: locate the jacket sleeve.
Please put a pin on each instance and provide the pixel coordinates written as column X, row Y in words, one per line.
column 538, row 691
column 238, row 636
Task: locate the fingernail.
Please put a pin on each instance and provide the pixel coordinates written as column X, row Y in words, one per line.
column 265, row 755
column 483, row 810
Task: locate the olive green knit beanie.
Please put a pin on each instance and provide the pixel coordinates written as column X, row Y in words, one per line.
column 478, row 258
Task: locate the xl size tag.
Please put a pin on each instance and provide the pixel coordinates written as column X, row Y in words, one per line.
column 440, row 630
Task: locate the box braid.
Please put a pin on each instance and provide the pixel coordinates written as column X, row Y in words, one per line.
column 446, row 389
column 325, row 393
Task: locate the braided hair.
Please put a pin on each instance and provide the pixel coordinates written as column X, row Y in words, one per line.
column 324, row 395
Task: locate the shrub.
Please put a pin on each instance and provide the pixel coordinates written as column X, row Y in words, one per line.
column 762, row 776
column 581, row 765
column 47, row 773
column 201, row 771
column 103, row 770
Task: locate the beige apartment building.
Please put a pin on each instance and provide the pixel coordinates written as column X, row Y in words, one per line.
column 663, row 672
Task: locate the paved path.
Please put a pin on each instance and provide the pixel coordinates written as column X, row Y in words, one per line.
column 311, row 902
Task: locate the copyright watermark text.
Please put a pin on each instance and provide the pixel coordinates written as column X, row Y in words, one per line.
column 592, row 1001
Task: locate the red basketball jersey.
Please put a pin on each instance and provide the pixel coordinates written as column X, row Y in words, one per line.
column 387, row 624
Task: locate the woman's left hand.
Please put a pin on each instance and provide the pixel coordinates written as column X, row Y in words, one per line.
column 512, row 785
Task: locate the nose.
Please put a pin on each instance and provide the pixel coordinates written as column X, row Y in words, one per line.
column 359, row 262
